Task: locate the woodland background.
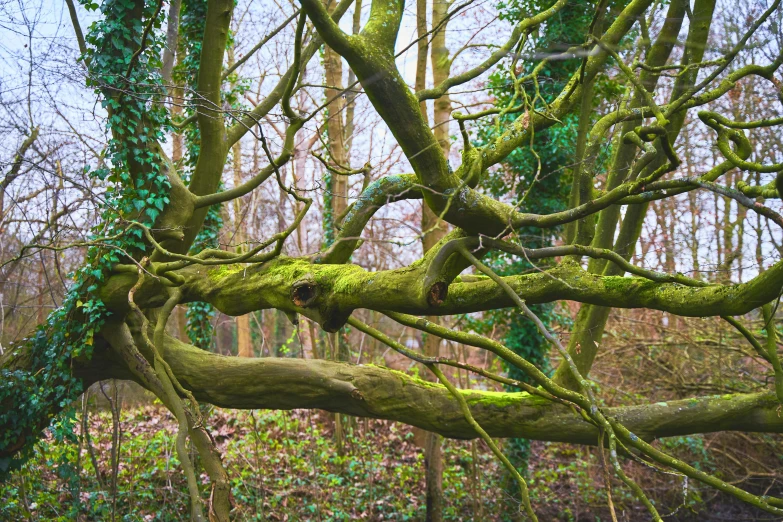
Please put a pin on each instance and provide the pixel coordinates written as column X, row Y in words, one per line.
column 304, row 465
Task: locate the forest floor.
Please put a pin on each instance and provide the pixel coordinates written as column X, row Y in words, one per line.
column 287, row 466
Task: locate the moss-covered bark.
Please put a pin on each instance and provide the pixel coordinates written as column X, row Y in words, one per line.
column 336, row 290
column 374, row 391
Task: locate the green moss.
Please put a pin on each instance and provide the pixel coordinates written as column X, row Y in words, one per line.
column 222, row 271
column 477, row 397
column 348, row 279
column 407, row 379
column 489, row 398
column 288, row 269
column 503, row 399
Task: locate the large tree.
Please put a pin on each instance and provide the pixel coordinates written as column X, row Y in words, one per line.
column 145, row 258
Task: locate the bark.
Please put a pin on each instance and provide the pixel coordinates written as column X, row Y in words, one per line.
column 433, row 231
column 377, row 392
column 335, row 291
column 172, row 39
column 244, row 342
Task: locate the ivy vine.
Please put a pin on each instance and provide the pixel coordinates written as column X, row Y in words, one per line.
column 535, row 169
column 123, row 60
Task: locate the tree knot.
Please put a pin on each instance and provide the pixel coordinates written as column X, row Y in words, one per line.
column 437, row 293
column 304, row 292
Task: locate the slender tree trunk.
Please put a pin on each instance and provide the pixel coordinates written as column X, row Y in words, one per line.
column 350, row 97
column 177, row 96
column 339, row 118
column 335, row 127
column 693, row 209
column 591, row 320
column 244, row 342
column 433, row 229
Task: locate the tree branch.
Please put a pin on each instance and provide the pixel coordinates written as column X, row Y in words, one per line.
column 335, row 291
column 376, row 392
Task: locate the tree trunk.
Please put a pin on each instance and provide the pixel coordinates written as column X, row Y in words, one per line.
column 433, row 228
column 335, row 127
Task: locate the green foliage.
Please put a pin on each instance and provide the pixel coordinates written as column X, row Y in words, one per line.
column 533, row 178
column 192, row 23
column 570, row 481
column 284, row 464
column 690, row 448
column 200, row 329
column 123, row 73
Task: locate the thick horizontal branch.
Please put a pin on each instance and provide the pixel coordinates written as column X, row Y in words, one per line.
column 329, row 294
column 377, row 392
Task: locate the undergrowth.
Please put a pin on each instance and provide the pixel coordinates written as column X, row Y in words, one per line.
column 285, row 466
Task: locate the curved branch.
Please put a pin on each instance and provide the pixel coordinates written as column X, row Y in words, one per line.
column 134, row 58
column 376, row 392
column 386, row 190
column 77, row 28
column 258, row 179
column 251, row 119
column 259, row 45
column 212, row 154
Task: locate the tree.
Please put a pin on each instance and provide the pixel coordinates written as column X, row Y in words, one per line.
column 537, row 169
column 148, row 252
